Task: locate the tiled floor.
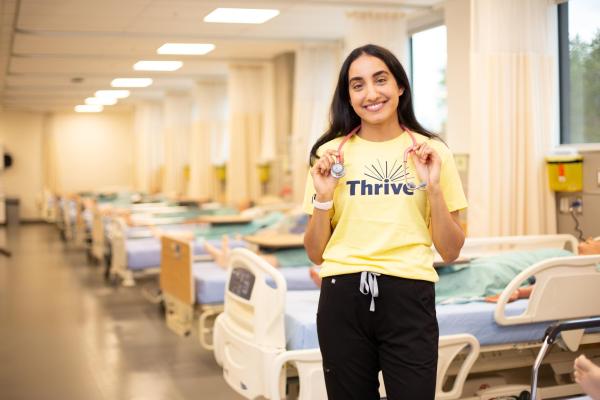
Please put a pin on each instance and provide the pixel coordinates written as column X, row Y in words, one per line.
column 65, row 334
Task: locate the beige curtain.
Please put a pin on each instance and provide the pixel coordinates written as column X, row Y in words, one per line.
column 177, row 115
column 512, row 120
column 387, row 29
column 147, row 126
column 251, row 129
column 284, row 80
column 315, row 77
column 209, row 120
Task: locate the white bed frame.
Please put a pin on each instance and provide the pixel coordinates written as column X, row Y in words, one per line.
column 67, row 222
column 118, row 263
column 249, row 337
column 98, row 250
column 81, row 233
column 49, row 207
column 99, row 244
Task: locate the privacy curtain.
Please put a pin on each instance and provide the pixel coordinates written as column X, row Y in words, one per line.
column 283, row 65
column 387, row 29
column 251, row 129
column 512, row 119
column 315, row 77
column 177, row 116
column 208, row 133
column 147, row 126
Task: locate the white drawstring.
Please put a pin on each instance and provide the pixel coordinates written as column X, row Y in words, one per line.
column 368, row 284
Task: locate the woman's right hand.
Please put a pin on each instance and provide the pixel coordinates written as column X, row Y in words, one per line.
column 323, row 181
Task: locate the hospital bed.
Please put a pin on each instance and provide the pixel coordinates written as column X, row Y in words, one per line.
column 67, row 216
column 105, row 213
column 136, row 250
column 143, row 209
column 73, row 221
column 264, row 332
column 194, row 290
column 49, row 206
column 76, row 217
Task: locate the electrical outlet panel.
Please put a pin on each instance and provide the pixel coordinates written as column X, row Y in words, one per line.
column 564, row 205
column 579, row 207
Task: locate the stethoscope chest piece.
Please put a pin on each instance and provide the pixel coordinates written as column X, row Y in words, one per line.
column 338, row 170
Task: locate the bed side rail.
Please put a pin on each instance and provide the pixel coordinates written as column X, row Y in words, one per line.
column 176, row 278
column 449, row 347
column 309, row 365
column 116, row 234
column 565, row 288
column 97, row 234
column 475, row 247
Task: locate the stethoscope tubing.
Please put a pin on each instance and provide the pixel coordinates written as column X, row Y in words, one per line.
column 355, row 130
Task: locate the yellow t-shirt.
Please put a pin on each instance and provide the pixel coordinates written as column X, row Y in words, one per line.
column 378, row 225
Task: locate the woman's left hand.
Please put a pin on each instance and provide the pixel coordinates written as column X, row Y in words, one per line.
column 428, row 164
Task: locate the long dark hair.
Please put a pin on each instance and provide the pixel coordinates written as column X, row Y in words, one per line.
column 342, row 118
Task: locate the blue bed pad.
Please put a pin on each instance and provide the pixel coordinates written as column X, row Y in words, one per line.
column 210, row 281
column 475, row 318
column 144, row 253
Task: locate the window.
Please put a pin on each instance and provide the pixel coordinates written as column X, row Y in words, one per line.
column 428, row 72
column 579, row 53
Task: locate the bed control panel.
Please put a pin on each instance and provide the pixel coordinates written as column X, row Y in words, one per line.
column 241, row 283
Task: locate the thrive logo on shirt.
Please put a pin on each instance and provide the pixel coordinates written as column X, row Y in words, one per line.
column 390, row 180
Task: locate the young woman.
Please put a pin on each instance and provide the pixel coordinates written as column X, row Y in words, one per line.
column 372, row 230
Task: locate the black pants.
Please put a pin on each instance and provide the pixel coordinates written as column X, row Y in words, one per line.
column 400, row 338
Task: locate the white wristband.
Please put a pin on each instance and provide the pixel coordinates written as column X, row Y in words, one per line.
column 325, row 205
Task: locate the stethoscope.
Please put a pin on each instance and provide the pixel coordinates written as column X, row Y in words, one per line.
column 338, row 170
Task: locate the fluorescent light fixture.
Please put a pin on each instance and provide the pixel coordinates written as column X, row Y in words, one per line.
column 102, row 101
column 131, row 82
column 188, row 49
column 157, row 65
column 112, row 94
column 88, row 108
column 241, row 15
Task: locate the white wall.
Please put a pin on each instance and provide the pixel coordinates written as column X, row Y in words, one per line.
column 91, row 151
column 21, row 134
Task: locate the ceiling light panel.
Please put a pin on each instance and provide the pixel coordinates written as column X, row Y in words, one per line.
column 131, row 82
column 241, row 15
column 113, row 94
column 190, row 49
column 157, row 65
column 102, row 101
column 87, row 108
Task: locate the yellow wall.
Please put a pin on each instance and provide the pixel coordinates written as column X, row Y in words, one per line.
column 90, row 151
column 64, row 152
column 21, row 133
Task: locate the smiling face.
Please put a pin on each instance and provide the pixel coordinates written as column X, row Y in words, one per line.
column 373, row 90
